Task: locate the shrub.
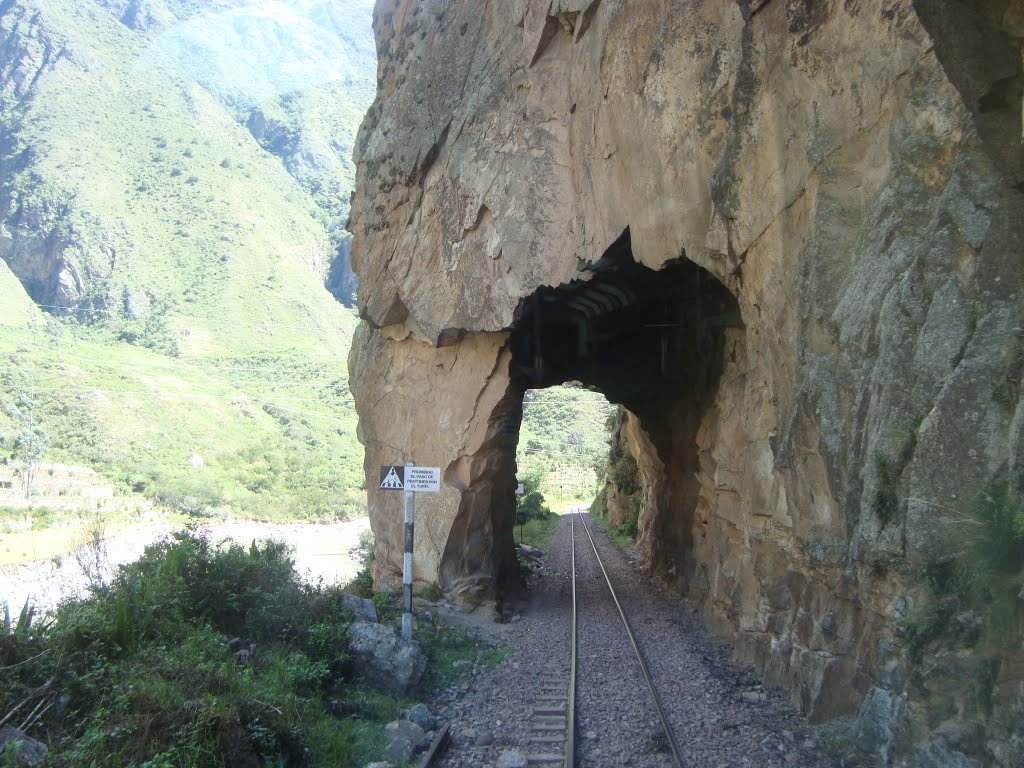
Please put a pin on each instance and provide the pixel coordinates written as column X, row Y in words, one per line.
column 531, row 506
column 623, row 471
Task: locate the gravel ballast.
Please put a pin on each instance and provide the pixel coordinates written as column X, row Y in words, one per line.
column 717, row 719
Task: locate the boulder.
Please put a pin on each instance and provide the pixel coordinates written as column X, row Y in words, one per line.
column 384, row 659
column 405, row 738
column 422, row 716
column 363, row 610
column 20, row 750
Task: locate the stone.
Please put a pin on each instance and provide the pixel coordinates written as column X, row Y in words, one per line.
column 531, row 552
column 879, row 723
column 20, row 750
column 753, row 696
column 936, row 755
column 511, row 758
column 400, row 749
column 384, row 659
column 362, row 610
column 422, row 716
column 381, row 765
column 404, row 739
column 408, row 730
column 827, row 178
column 484, row 739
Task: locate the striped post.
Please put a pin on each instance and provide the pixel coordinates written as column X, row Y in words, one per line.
column 410, row 518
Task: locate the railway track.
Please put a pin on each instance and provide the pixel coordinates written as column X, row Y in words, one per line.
column 553, row 721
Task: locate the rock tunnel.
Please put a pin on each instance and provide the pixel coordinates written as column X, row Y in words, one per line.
column 851, row 172
column 648, row 340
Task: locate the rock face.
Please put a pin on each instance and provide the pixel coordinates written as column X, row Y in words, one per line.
column 785, row 236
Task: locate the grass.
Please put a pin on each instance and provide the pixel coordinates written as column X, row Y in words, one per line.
column 285, row 449
column 537, row 533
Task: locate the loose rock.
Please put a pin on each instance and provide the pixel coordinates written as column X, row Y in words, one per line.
column 387, row 661
column 363, row 610
column 21, row 749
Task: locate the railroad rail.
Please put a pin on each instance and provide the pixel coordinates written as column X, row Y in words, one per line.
column 570, row 721
column 554, row 712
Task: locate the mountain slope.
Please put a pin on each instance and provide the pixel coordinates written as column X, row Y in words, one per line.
column 197, row 356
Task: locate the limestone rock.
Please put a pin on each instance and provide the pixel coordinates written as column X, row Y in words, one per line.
column 386, row 660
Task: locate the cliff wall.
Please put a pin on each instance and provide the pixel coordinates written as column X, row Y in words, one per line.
column 786, row 237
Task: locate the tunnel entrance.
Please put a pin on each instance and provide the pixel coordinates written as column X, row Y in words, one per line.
column 652, row 341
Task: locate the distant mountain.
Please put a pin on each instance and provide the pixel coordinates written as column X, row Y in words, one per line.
column 174, row 179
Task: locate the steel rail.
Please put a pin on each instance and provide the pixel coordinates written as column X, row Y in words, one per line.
column 570, row 732
column 676, row 756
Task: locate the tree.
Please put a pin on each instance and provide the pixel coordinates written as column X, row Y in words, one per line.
column 31, row 441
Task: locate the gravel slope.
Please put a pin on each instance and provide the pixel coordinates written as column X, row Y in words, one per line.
column 717, row 720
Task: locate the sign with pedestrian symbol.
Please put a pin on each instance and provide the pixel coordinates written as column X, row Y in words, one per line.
column 412, row 480
column 409, row 478
column 392, row 478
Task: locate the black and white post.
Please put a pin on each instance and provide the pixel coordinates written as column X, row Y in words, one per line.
column 410, row 520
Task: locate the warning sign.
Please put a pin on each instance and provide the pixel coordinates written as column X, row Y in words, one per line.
column 418, row 479
column 423, row 479
column 392, row 478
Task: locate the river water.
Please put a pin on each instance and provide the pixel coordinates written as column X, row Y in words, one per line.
column 321, row 552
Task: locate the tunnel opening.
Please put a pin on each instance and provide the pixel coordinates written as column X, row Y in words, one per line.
column 653, row 342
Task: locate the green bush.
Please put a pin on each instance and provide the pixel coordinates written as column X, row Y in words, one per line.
column 531, row 506
column 623, row 471
column 149, row 666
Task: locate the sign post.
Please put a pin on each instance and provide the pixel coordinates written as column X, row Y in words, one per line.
column 410, row 521
column 411, row 479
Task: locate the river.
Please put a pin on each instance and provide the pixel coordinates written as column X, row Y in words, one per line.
column 321, row 551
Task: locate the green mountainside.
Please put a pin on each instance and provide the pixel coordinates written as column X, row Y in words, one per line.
column 174, row 182
column 180, row 245
column 563, row 441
